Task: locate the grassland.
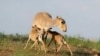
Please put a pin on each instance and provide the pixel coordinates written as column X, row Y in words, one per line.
column 13, row 44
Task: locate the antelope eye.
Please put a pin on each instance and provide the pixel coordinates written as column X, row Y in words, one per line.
column 63, row 22
column 39, row 29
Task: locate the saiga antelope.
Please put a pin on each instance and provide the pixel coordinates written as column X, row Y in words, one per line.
column 55, row 36
column 44, row 21
column 59, row 39
column 35, row 36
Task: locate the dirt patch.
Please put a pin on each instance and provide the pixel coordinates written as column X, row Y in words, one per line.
column 6, row 52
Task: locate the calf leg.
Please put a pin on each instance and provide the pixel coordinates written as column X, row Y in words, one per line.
column 27, row 43
column 43, row 44
column 35, row 43
column 50, row 42
column 45, row 37
column 58, row 49
column 55, row 46
column 66, row 44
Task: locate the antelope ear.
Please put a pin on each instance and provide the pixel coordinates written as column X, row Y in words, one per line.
column 57, row 17
column 32, row 26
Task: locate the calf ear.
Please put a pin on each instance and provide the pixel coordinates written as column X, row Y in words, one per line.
column 50, row 28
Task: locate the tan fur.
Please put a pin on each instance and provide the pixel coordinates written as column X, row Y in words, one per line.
column 59, row 39
column 43, row 20
column 55, row 36
column 35, row 35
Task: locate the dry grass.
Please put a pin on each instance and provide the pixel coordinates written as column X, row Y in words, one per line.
column 13, row 45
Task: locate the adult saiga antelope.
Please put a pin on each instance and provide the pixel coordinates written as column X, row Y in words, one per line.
column 44, row 21
column 59, row 39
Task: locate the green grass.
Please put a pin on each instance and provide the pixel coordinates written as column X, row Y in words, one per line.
column 13, row 44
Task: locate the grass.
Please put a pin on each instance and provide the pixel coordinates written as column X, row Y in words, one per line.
column 13, row 44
